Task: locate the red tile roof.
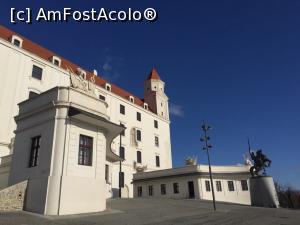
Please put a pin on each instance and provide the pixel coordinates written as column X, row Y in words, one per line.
column 153, row 75
column 46, row 54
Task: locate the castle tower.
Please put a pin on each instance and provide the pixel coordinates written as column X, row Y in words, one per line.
column 155, row 96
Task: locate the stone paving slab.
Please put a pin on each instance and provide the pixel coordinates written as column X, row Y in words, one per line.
column 162, row 211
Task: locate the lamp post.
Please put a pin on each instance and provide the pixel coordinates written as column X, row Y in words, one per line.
column 206, row 148
column 121, row 174
column 120, row 171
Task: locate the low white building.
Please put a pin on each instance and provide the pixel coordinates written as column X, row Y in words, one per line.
column 231, row 183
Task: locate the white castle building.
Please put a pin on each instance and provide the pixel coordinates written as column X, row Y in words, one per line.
column 27, row 69
column 77, row 139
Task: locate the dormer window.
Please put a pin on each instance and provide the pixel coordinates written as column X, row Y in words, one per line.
column 81, row 73
column 108, row 87
column 16, row 41
column 56, row 61
column 145, row 106
column 131, row 99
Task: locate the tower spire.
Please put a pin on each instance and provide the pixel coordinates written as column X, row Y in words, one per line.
column 153, row 75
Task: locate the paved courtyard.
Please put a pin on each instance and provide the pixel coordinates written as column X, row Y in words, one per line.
column 162, row 211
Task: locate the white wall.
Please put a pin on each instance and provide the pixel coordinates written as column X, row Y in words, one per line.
column 16, row 82
column 182, row 182
column 237, row 196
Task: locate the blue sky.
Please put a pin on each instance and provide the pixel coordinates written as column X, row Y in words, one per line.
column 234, row 64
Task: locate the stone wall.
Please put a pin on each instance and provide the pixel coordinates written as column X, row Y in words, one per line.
column 12, row 197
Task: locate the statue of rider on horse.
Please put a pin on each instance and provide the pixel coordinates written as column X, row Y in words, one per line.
column 260, row 160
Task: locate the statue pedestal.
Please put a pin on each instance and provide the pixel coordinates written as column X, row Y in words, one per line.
column 263, row 192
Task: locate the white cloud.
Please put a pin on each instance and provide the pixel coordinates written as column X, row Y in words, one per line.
column 176, row 110
column 110, row 68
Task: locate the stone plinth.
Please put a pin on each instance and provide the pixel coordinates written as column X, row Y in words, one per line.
column 263, row 192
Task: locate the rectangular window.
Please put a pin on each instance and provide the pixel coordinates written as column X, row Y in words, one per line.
column 156, row 140
column 207, row 185
column 155, row 124
column 102, row 97
column 122, row 152
column 139, row 157
column 34, row 151
column 107, row 173
column 175, row 188
column 85, row 150
column 16, row 43
column 138, row 116
column 150, row 189
column 157, row 161
column 37, row 72
column 138, row 135
column 140, row 191
column 56, row 62
column 122, row 109
column 230, row 185
column 244, row 185
column 219, row 185
column 163, row 190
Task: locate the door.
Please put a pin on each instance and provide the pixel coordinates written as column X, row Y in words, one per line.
column 191, row 189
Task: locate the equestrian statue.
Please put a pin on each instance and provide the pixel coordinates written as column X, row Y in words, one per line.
column 260, row 160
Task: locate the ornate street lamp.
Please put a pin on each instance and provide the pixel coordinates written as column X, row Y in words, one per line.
column 206, row 148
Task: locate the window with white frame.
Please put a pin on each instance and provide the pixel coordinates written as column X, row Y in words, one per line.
column 131, row 99
column 157, row 161
column 108, row 87
column 37, row 72
column 155, row 124
column 56, row 61
column 122, row 109
column 145, row 106
column 207, row 185
column 102, row 97
column 156, row 141
column 230, row 185
column 139, row 157
column 138, row 135
column 85, row 150
column 219, row 185
column 244, row 185
column 138, row 116
column 17, row 41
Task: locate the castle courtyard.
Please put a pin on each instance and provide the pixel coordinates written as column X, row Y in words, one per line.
column 161, row 211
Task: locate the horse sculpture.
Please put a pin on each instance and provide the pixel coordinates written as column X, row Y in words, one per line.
column 261, row 161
